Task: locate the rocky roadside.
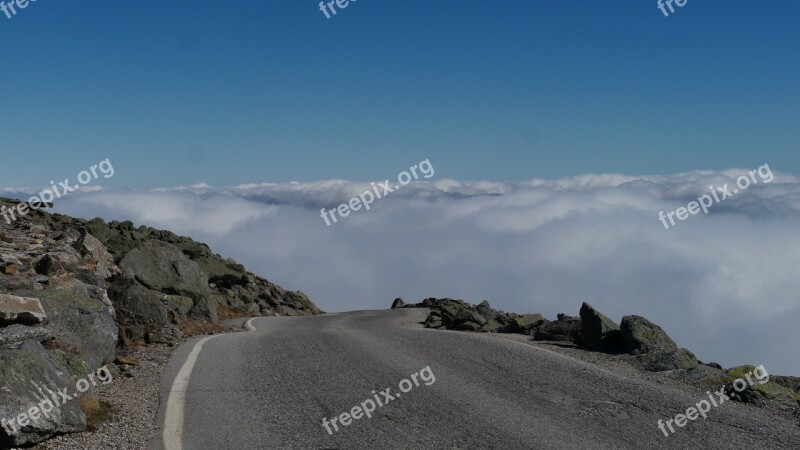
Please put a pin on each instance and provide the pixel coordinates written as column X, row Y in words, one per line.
column 133, row 400
column 636, row 346
column 75, row 295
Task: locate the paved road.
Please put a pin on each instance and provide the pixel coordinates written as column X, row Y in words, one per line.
column 272, row 387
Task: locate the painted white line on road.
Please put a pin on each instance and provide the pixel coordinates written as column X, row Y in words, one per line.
column 173, row 420
column 176, row 403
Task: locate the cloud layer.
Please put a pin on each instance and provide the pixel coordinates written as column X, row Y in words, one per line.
column 724, row 284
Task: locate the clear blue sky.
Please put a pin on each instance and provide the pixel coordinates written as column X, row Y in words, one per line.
column 178, row 92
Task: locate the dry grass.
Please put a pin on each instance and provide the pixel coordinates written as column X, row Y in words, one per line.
column 57, row 344
column 225, row 313
column 199, row 327
column 96, row 411
column 135, row 344
column 124, row 360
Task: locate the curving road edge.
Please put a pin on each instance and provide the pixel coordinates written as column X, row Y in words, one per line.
column 172, row 434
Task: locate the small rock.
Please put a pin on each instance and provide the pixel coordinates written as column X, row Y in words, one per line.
column 23, row 310
column 434, row 320
column 14, row 334
column 468, row 326
column 525, row 324
column 48, row 265
column 125, row 361
column 485, row 309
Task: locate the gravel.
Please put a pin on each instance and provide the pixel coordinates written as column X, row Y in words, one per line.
column 134, row 395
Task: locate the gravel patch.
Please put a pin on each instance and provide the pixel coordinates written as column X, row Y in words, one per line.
column 134, row 394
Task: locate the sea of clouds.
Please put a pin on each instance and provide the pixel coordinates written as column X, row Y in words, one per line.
column 725, row 285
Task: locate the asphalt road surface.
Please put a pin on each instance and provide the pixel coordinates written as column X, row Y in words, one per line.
column 273, row 386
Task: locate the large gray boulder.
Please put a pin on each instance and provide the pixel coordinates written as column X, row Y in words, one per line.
column 455, row 313
column 164, row 268
column 640, row 336
column 79, row 316
column 140, row 309
column 485, row 310
column 179, row 304
column 599, row 332
column 658, row 352
column 565, row 329
column 90, row 247
column 525, row 324
column 29, row 373
column 207, row 308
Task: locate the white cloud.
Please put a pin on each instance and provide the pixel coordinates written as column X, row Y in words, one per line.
column 723, row 285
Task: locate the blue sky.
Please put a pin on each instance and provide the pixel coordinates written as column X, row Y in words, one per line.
column 180, row 92
column 177, row 93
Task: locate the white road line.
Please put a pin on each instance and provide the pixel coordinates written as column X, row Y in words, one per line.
column 176, row 403
column 173, row 420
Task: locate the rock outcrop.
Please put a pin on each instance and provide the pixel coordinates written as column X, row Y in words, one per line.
column 599, row 332
column 565, row 329
column 751, row 384
column 653, row 348
column 526, row 324
column 656, row 350
column 73, row 292
column 647, row 344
